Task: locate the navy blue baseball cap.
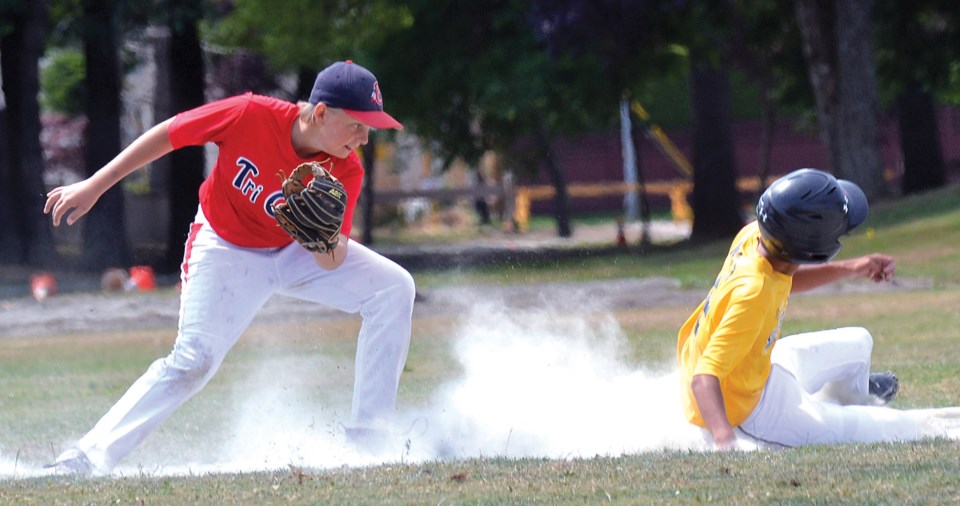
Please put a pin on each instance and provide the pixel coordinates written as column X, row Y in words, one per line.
column 348, row 86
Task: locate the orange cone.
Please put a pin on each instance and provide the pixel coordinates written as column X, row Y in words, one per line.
column 42, row 285
column 141, row 276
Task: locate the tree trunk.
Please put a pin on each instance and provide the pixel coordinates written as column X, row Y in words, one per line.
column 859, row 140
column 104, row 232
column 716, row 201
column 561, row 202
column 30, row 237
column 188, row 163
column 368, row 196
column 8, row 238
column 815, row 19
column 923, row 167
column 838, row 46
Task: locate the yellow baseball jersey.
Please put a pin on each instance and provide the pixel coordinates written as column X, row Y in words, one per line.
column 734, row 329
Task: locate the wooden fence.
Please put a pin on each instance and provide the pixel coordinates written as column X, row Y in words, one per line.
column 517, row 199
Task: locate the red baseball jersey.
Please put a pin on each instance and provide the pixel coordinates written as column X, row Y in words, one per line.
column 253, row 135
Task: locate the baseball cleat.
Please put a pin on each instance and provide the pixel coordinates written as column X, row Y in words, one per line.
column 884, row 385
column 72, row 462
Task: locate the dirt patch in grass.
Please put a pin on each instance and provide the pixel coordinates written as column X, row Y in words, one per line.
column 92, row 312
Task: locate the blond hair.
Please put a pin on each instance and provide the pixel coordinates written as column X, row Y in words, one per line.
column 306, row 111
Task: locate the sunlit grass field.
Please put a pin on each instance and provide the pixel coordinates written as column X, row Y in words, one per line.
column 55, row 386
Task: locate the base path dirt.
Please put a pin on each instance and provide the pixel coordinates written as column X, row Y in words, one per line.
column 90, row 312
column 99, row 312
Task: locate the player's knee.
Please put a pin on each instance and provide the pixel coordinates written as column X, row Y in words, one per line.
column 400, row 285
column 406, row 286
column 195, row 365
column 861, row 335
column 395, row 297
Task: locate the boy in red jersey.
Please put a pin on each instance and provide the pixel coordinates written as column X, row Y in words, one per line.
column 236, row 256
column 743, row 383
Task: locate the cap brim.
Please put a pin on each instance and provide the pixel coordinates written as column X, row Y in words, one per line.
column 857, row 206
column 375, row 119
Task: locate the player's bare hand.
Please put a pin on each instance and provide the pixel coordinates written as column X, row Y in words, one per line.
column 734, row 444
column 875, row 266
column 730, row 445
column 724, row 439
column 72, row 201
column 334, row 258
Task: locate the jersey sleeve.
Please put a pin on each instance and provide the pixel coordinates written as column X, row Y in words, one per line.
column 207, row 123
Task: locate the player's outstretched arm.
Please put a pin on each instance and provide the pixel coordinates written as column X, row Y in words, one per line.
column 875, row 266
column 76, row 200
column 706, row 390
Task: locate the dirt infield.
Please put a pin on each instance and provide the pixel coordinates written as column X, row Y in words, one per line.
column 93, row 311
column 80, row 305
column 85, row 312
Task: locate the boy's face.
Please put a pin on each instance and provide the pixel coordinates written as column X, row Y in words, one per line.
column 339, row 133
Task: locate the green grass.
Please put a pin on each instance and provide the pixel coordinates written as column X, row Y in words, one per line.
column 669, row 476
column 918, row 473
column 52, row 387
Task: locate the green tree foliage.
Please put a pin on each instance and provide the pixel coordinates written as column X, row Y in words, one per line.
column 918, row 42
column 62, row 82
column 476, row 77
column 473, row 77
column 951, row 94
column 631, row 43
column 766, row 46
column 66, row 15
column 308, row 33
column 636, row 43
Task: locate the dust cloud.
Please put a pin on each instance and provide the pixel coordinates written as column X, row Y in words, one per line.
column 545, row 381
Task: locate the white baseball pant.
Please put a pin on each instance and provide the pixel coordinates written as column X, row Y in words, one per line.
column 223, row 288
column 790, row 412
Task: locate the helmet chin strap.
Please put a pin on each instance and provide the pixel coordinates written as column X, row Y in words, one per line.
column 777, row 252
column 778, row 259
column 773, row 248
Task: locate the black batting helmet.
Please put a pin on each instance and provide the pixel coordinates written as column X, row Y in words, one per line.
column 803, row 214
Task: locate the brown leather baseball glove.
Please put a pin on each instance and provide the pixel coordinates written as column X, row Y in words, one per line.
column 312, row 213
